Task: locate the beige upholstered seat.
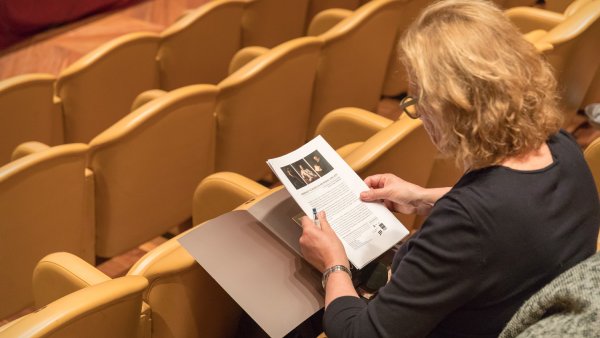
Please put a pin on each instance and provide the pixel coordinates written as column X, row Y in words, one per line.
column 396, row 81
column 98, row 89
column 222, row 192
column 529, row 18
column 574, row 49
column 315, row 7
column 102, row 308
column 147, row 166
column 197, row 48
column 263, row 108
column 592, row 157
column 180, row 300
column 327, row 19
column 349, row 125
column 45, row 206
column 354, row 59
column 593, row 93
column 267, row 23
column 28, row 113
column 402, row 148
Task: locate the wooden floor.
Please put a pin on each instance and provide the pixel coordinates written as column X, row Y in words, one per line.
column 55, row 49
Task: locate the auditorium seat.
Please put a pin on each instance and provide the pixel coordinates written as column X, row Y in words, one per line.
column 592, row 157
column 327, row 19
column 593, row 93
column 349, row 125
column 45, row 206
column 98, row 89
column 147, row 166
column 222, row 192
column 268, row 23
column 263, row 107
column 396, row 81
column 198, row 47
column 180, row 299
column 574, row 49
column 83, row 305
column 28, row 113
column 528, row 18
column 316, row 6
column 354, row 59
column 245, row 55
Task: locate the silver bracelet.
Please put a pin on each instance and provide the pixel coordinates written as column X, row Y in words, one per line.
column 334, row 268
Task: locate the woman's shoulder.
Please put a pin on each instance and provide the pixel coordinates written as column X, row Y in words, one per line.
column 563, row 140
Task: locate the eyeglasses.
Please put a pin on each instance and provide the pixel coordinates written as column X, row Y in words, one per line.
column 408, row 106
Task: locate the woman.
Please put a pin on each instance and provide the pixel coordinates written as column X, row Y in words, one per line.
column 525, row 210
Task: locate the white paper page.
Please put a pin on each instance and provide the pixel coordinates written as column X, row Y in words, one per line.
column 317, row 177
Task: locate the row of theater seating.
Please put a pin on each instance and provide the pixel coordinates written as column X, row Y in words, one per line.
column 567, row 46
column 166, row 293
column 97, row 93
column 144, row 168
column 99, row 89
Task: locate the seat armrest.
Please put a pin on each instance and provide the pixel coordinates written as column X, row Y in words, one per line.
column 344, row 151
column 28, row 148
column 146, row 97
column 575, row 6
column 573, row 25
column 222, row 192
column 245, row 55
column 535, row 35
column 530, row 18
column 326, row 19
column 59, row 274
column 107, row 306
column 370, row 150
column 348, row 125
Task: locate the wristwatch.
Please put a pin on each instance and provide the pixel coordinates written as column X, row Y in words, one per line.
column 334, row 268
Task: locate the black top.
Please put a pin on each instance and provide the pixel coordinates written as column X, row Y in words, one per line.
column 490, row 243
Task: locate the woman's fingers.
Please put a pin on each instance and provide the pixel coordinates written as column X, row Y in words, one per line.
column 307, row 222
column 376, row 181
column 323, row 222
column 375, row 194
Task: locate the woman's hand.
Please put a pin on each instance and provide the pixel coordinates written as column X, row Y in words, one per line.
column 320, row 246
column 399, row 195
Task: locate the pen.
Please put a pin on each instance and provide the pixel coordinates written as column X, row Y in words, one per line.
column 317, row 222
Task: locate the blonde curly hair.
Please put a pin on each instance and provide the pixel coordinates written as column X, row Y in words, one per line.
column 486, row 92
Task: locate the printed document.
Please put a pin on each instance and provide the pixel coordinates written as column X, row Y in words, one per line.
column 320, row 180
